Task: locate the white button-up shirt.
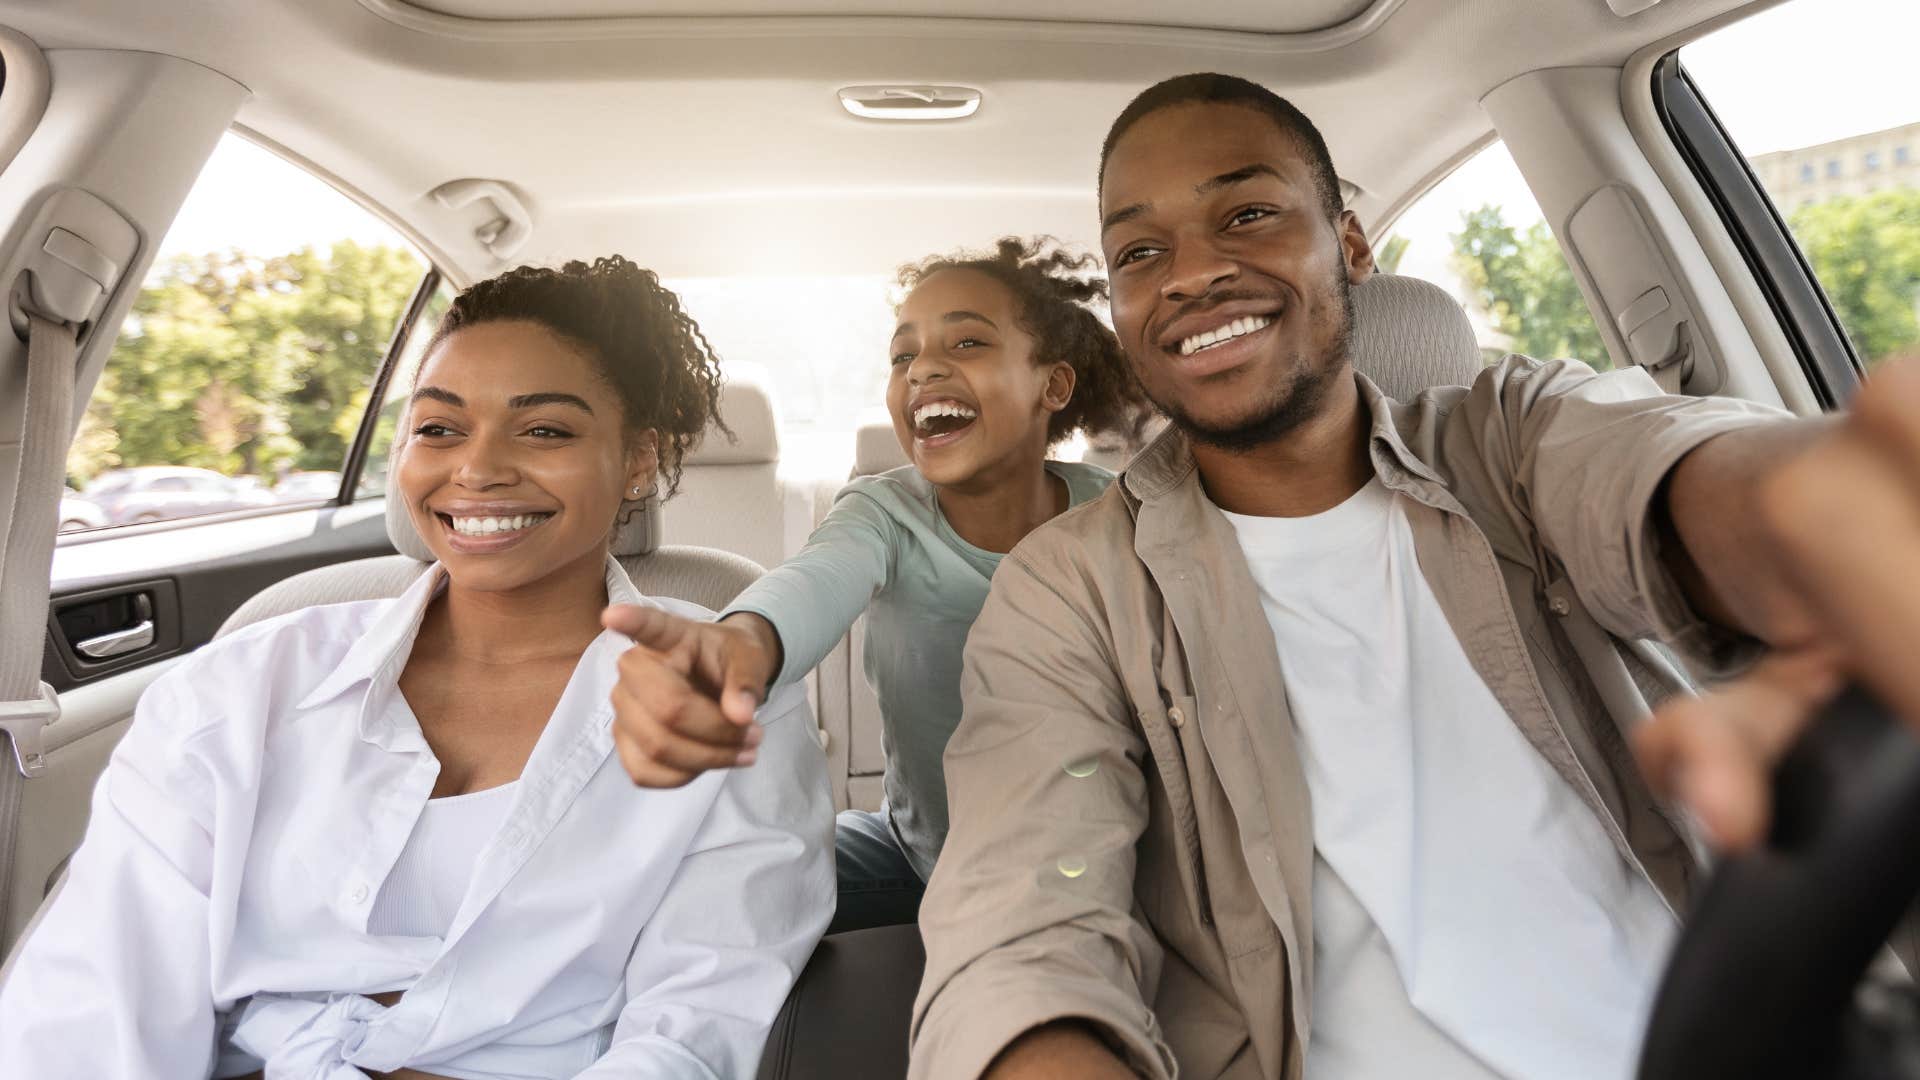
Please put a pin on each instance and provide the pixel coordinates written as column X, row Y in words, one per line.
column 215, row 918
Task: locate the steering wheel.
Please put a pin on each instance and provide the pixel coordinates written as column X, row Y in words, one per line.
column 1766, row 980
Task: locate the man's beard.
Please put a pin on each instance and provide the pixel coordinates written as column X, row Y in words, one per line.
column 1289, row 407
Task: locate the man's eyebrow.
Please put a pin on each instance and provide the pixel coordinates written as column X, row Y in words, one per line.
column 1237, row 176
column 437, row 394
column 550, row 397
column 1122, row 215
column 963, row 316
column 903, row 328
column 1226, row 179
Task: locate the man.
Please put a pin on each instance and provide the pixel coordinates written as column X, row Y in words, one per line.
column 1276, row 760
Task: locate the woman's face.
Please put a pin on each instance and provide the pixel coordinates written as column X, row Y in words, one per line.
column 517, row 458
column 965, row 392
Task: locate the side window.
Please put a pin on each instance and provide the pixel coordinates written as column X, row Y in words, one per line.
column 1836, row 146
column 241, row 375
column 1480, row 235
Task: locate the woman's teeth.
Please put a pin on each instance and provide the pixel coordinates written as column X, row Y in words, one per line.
column 938, row 409
column 481, row 526
column 1237, row 328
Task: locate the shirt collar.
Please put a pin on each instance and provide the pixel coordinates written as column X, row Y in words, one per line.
column 382, row 649
column 1167, row 462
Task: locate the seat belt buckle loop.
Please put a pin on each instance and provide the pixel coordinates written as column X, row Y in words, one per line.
column 25, row 723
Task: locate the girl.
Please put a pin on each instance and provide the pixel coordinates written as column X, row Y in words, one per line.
column 996, row 358
column 391, row 837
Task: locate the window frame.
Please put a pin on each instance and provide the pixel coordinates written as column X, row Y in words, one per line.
column 403, row 333
column 1758, row 230
column 430, row 280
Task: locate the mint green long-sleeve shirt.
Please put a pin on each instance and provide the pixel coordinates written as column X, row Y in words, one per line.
column 886, row 549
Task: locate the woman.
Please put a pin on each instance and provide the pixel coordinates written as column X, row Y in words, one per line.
column 996, row 359
column 394, row 835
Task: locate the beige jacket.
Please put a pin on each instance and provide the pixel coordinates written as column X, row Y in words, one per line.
column 1131, row 839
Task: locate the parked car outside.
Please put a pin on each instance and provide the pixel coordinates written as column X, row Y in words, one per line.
column 79, row 512
column 162, row 492
column 319, row 485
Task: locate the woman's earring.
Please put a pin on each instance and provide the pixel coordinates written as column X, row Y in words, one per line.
column 636, row 491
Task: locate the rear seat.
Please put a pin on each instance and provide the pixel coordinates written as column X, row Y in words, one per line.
column 731, row 496
column 849, row 710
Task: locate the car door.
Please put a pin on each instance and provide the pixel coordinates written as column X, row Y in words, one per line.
column 241, row 346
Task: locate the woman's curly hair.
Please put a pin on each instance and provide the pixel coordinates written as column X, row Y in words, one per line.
column 652, row 353
column 1055, row 291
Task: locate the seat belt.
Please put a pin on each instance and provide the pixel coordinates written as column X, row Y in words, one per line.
column 28, row 705
column 1599, row 653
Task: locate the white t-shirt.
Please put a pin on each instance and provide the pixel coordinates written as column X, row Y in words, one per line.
column 1471, row 917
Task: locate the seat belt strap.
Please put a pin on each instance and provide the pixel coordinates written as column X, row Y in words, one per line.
column 28, row 705
column 1599, row 653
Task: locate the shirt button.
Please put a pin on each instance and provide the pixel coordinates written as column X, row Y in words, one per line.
column 1176, row 716
column 358, row 895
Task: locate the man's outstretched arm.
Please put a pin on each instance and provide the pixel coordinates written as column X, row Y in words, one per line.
column 1028, row 920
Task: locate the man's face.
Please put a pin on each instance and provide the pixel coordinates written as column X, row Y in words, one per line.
column 1230, row 283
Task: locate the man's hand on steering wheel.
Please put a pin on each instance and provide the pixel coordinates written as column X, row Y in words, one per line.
column 1843, row 518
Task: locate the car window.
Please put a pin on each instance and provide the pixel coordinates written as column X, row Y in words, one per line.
column 373, row 474
column 1480, row 235
column 251, row 347
column 1836, row 146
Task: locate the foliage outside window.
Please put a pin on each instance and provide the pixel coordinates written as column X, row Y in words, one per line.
column 1854, row 113
column 1480, row 235
column 247, row 359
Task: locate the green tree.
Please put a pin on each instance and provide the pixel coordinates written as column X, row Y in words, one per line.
column 1866, row 253
column 246, row 364
column 1386, row 257
column 1521, row 281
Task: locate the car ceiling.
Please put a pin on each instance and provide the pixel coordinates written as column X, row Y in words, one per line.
column 704, row 138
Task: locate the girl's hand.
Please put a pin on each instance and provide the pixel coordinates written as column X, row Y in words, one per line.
column 687, row 692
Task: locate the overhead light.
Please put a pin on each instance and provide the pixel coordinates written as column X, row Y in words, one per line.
column 910, row 102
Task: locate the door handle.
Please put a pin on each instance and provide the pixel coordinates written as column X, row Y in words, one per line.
column 117, row 643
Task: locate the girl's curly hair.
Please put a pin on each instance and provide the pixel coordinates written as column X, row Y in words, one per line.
column 1055, row 291
column 650, row 351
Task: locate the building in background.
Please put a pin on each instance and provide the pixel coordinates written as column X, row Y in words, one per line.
column 1858, row 165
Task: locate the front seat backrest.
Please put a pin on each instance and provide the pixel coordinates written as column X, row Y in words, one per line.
column 730, row 493
column 1408, row 335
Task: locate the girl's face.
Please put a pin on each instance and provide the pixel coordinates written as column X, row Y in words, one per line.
column 518, row 458
column 965, row 393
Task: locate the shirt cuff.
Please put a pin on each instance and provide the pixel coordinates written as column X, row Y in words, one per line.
column 786, row 674
column 1710, row 650
column 982, row 1021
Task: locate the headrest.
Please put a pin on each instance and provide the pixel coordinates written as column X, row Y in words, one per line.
column 876, row 449
column 748, row 410
column 1408, row 335
column 638, row 532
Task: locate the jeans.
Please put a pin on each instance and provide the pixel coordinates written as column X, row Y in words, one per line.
column 877, row 884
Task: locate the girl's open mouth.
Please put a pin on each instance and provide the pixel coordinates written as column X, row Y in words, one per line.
column 941, row 422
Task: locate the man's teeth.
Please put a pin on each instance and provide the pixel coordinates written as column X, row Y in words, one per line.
column 481, row 526
column 1237, row 328
column 942, row 408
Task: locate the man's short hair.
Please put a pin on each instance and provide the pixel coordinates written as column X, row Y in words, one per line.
column 1208, row 88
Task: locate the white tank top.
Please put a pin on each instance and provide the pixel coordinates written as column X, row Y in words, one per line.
column 423, row 893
